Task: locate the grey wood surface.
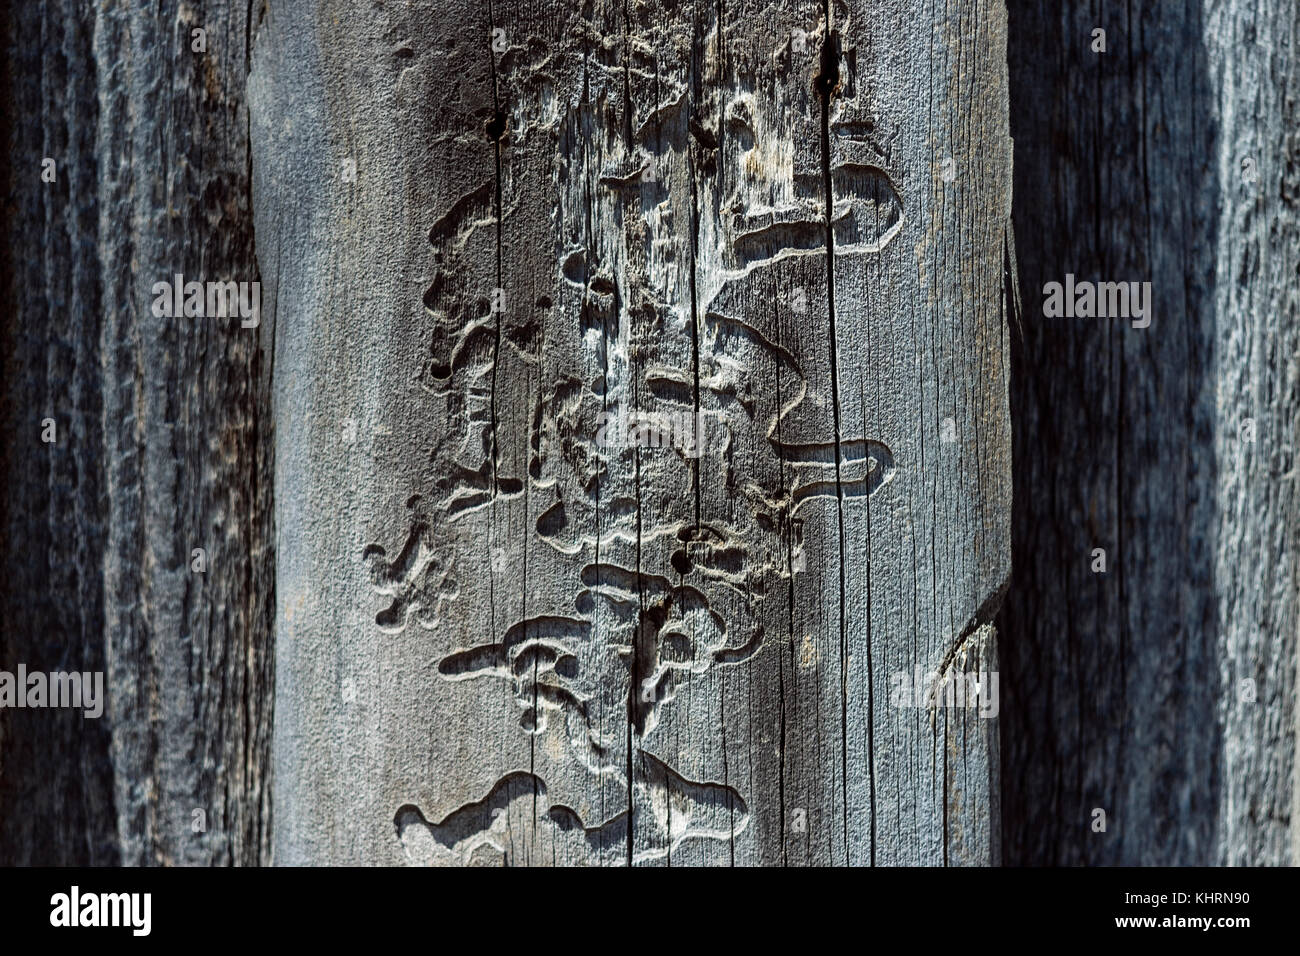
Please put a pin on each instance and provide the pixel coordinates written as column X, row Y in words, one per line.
column 56, row 799
column 1169, row 158
column 163, row 441
column 450, row 625
column 498, row 640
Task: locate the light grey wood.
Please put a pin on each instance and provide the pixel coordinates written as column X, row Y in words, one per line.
column 1256, row 371
column 472, row 593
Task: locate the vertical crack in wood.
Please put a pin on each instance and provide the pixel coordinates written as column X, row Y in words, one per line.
column 496, row 131
column 827, row 82
column 637, row 635
column 787, row 532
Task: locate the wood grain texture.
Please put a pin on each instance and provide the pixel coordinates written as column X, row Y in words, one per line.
column 56, row 780
column 1123, row 688
column 774, row 237
column 164, row 447
column 500, row 640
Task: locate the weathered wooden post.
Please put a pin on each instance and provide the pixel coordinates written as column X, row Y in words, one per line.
column 1151, row 658
column 641, row 429
column 138, row 540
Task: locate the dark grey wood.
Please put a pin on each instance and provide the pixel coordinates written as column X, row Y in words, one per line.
column 164, row 441
column 56, row 782
column 1123, row 688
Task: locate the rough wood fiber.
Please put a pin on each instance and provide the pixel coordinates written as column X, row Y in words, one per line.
column 497, row 639
column 164, row 442
column 1172, row 158
column 56, row 797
